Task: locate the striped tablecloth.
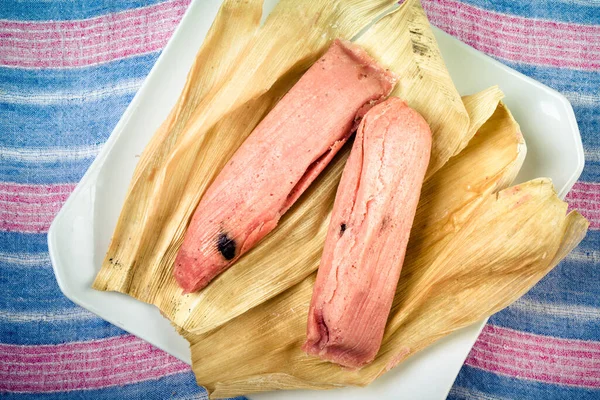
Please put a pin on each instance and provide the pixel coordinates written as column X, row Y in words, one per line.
column 68, row 69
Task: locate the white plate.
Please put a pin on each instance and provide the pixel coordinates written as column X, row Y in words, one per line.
column 80, row 234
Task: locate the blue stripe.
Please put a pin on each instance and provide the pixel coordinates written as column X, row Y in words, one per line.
column 181, row 385
column 588, row 119
column 570, row 283
column 512, row 388
column 16, row 242
column 571, row 327
column 44, row 173
column 25, row 10
column 56, row 332
column 31, row 289
column 61, row 125
column 561, row 79
column 558, row 10
column 591, row 172
column 26, row 81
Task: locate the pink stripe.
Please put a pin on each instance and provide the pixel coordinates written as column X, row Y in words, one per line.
column 34, row 189
column 540, row 340
column 517, row 38
column 24, row 208
column 549, row 366
column 576, row 195
column 26, row 218
column 78, row 381
column 30, row 208
column 542, row 358
column 588, row 205
column 84, row 365
column 516, row 24
column 519, row 351
column 33, row 198
column 527, row 373
column 585, row 198
column 9, row 226
column 90, row 41
column 584, row 191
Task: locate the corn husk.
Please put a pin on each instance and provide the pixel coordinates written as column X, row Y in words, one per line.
column 491, row 246
column 404, row 41
column 142, row 266
column 179, row 164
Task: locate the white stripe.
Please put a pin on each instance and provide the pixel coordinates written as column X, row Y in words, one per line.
column 40, row 213
column 67, row 190
column 590, row 3
column 468, row 393
column 581, row 99
column 586, row 204
column 591, row 155
column 580, row 255
column 25, row 260
column 592, row 189
column 561, row 310
column 32, row 223
column 47, row 98
column 67, row 315
column 49, row 154
column 99, row 20
column 31, row 203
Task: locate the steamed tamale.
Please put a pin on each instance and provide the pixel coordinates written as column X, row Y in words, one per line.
column 149, row 234
column 368, row 233
column 279, row 160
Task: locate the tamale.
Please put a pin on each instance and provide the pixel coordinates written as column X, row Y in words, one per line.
column 368, row 233
column 279, row 160
column 447, row 199
column 484, row 259
column 150, row 230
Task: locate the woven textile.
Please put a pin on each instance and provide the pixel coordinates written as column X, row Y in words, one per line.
column 68, row 70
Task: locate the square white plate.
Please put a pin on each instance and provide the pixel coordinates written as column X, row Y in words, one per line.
column 80, row 234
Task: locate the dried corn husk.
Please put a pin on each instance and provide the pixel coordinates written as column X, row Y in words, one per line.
column 260, row 66
column 141, row 266
column 404, row 41
column 502, row 248
column 235, row 24
column 498, row 149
